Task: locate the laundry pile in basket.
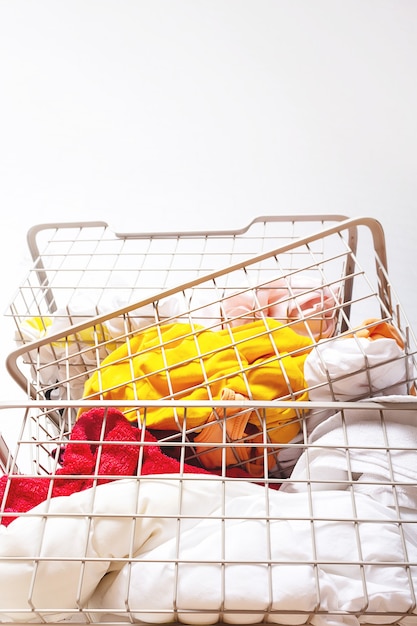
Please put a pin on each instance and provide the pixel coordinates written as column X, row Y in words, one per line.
column 141, row 534
column 275, row 343
column 195, row 547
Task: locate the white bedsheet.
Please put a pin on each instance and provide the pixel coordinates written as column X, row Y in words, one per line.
column 158, row 568
column 357, row 444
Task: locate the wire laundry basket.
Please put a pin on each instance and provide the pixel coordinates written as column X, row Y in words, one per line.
column 324, row 284
column 233, row 413
column 88, row 266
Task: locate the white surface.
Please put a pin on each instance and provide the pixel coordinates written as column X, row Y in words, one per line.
column 203, row 114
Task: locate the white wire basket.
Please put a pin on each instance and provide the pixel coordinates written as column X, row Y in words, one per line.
column 222, row 436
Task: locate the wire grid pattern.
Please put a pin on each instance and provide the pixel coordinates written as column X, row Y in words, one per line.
column 319, row 531
column 87, row 264
column 323, row 476
column 316, row 288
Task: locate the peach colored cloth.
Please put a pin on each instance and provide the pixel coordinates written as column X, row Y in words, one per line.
column 236, row 423
column 374, row 328
column 299, row 300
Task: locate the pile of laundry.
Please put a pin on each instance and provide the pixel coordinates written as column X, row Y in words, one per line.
column 275, row 342
column 218, row 547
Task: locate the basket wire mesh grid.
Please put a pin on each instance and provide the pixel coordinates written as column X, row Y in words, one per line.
column 219, row 428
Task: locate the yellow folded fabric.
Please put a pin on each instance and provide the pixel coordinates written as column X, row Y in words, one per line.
column 262, row 360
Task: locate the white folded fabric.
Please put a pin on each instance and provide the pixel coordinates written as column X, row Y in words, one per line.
column 347, row 368
column 374, row 449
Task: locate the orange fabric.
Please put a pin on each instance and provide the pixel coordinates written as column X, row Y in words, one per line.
column 376, row 329
column 235, row 420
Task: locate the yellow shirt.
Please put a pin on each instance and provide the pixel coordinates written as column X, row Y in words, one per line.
column 261, row 360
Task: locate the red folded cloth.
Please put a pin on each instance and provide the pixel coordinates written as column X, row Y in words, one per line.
column 103, row 445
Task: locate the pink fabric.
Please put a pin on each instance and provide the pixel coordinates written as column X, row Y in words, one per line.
column 300, row 300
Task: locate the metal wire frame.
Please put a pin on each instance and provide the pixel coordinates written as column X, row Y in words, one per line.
column 89, row 260
column 354, row 280
column 34, row 434
column 354, row 269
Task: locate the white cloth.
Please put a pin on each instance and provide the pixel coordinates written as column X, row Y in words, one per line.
column 70, row 360
column 166, row 548
column 347, row 368
column 375, row 448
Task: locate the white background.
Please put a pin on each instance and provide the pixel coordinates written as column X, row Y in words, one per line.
column 177, row 114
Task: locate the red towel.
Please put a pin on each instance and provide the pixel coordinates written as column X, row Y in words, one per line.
column 103, row 443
